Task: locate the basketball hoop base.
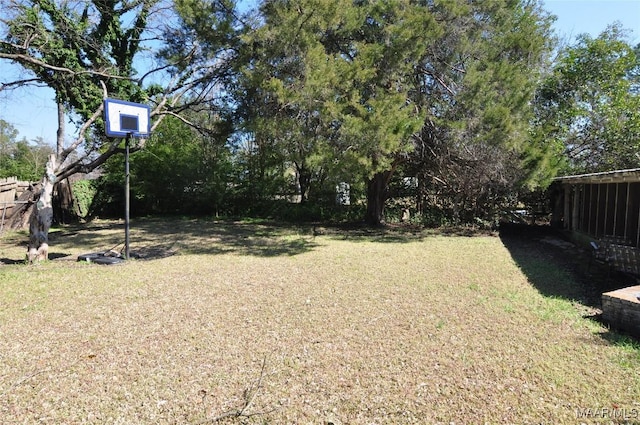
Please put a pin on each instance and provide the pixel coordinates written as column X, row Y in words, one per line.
column 106, row 258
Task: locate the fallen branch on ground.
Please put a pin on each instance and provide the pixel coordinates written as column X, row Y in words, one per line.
column 248, row 396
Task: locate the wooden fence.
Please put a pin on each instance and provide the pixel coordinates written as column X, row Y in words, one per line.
column 10, row 190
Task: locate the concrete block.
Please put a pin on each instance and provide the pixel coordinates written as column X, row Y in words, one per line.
column 621, row 309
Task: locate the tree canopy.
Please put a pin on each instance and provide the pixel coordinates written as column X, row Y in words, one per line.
column 477, row 86
column 589, row 106
column 20, row 158
column 460, row 101
column 87, row 51
column 367, row 85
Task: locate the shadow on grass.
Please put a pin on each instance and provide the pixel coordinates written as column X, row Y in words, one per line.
column 393, row 233
column 152, row 238
column 556, row 267
column 156, row 238
column 359, row 232
column 11, row 261
column 559, row 269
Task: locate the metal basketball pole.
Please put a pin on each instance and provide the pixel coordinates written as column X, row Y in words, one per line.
column 126, row 196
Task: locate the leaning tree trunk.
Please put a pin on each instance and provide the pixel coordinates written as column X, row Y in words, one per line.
column 41, row 216
column 376, row 197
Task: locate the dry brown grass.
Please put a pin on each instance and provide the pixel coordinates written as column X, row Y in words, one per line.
column 344, row 327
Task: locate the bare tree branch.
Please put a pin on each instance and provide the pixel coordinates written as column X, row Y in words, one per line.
column 24, row 58
column 80, row 167
column 12, row 85
column 81, row 133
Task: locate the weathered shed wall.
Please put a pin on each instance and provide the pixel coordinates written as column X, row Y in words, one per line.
column 603, row 204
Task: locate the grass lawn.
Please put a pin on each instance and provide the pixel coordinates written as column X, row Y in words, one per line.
column 256, row 323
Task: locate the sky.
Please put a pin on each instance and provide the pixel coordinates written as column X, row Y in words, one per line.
column 576, row 17
column 32, row 111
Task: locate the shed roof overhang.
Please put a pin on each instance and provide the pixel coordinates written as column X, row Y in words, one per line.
column 617, row 176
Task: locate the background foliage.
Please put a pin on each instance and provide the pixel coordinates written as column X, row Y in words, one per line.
column 443, row 113
column 20, row 158
column 589, row 104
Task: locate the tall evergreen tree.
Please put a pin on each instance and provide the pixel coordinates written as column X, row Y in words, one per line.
column 450, row 82
column 342, row 72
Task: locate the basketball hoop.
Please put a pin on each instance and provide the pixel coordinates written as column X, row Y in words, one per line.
column 126, row 120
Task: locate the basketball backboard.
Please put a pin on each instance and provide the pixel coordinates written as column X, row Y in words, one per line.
column 126, row 118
